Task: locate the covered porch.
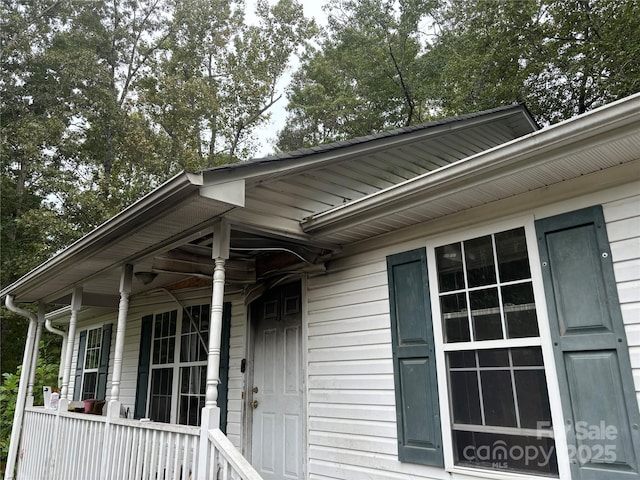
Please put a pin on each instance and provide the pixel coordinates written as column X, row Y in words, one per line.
column 158, row 252
column 230, row 235
column 68, row 443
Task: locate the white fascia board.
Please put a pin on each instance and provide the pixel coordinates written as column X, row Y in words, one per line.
column 170, row 192
column 511, row 156
column 231, row 192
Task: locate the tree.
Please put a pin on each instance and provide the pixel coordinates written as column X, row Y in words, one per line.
column 33, row 122
column 393, row 63
column 561, row 58
column 217, row 80
column 102, row 101
column 367, row 74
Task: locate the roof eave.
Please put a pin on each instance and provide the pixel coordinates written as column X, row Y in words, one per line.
column 170, row 192
column 510, row 156
column 343, row 150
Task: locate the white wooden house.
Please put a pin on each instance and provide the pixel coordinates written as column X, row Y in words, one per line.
column 454, row 300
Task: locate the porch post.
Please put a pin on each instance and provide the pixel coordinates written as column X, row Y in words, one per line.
column 123, row 311
column 210, row 418
column 34, row 356
column 76, row 304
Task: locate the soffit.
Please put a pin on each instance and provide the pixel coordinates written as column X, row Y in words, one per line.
column 524, row 173
column 297, row 193
column 98, row 269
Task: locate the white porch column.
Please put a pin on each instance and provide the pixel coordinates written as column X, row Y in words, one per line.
column 34, row 357
column 123, row 311
column 76, row 304
column 211, row 412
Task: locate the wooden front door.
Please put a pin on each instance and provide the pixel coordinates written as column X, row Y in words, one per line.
column 277, row 394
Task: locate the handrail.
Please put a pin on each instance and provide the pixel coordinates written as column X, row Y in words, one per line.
column 232, row 456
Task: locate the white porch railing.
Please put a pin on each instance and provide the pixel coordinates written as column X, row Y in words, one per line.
column 228, row 461
column 75, row 446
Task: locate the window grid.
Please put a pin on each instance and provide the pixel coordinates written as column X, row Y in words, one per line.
column 92, row 352
column 498, row 285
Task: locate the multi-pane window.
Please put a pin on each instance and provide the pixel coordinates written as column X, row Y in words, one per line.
column 179, row 364
column 496, row 379
column 91, row 363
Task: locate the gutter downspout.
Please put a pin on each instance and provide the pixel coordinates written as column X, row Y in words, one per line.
column 22, row 387
column 49, row 326
column 34, row 356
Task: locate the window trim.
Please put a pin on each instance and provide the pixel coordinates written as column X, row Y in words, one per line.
column 543, row 340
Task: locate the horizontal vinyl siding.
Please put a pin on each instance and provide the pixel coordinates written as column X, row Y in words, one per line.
column 237, row 351
column 129, row 377
column 351, row 399
column 623, row 229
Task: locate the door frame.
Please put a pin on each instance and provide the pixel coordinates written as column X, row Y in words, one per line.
column 247, row 394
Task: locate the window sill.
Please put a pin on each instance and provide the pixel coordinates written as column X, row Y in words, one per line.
column 495, row 474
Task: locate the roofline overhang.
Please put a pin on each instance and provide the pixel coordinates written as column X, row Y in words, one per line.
column 362, row 146
column 535, row 148
column 157, row 201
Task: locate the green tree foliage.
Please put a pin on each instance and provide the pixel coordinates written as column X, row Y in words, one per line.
column 103, row 100
column 367, row 74
column 218, row 77
column 562, row 58
column 393, row 63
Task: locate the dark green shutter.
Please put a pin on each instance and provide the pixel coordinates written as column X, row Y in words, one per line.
column 414, row 367
column 590, row 347
column 103, row 364
column 223, row 386
column 144, row 362
column 77, row 386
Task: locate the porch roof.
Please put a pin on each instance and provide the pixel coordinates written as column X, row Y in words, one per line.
column 312, row 202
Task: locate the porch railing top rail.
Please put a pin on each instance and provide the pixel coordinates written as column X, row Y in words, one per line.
column 240, row 465
column 74, row 415
column 165, row 427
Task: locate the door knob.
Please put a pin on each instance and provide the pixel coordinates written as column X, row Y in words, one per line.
column 254, row 404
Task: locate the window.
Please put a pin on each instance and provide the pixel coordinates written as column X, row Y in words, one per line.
column 92, row 363
column 494, row 407
column 496, row 378
column 179, row 364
